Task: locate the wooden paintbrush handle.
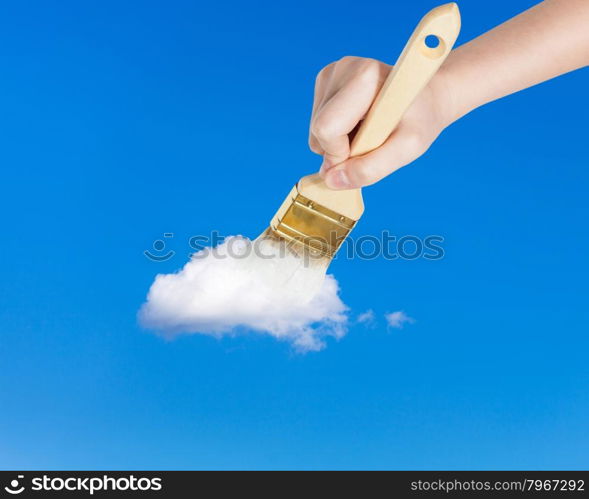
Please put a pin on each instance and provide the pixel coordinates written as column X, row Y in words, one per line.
column 412, row 72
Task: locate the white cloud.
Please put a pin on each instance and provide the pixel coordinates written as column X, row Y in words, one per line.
column 397, row 319
column 230, row 288
column 367, row 318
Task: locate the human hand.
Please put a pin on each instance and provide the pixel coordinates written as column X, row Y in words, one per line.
column 344, row 92
column 543, row 42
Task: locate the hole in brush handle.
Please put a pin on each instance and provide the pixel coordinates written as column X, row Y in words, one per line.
column 433, row 46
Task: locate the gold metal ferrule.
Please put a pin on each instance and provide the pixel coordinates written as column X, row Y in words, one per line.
column 306, row 223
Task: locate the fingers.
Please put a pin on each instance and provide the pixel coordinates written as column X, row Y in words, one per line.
column 343, row 95
column 400, row 149
column 314, row 145
column 321, row 83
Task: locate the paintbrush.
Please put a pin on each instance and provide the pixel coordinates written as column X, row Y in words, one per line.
column 313, row 221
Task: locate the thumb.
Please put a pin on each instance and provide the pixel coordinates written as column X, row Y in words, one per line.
column 400, row 149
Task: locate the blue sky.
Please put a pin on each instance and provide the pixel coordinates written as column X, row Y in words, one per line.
column 124, row 120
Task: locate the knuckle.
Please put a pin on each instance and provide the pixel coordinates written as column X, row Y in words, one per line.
column 369, row 70
column 313, row 145
column 324, row 72
column 320, row 129
column 348, row 59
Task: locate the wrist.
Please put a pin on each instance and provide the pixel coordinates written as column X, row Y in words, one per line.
column 454, row 100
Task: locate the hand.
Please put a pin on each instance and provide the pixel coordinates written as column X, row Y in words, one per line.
column 344, row 91
column 541, row 43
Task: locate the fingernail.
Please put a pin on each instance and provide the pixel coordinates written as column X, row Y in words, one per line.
column 338, row 180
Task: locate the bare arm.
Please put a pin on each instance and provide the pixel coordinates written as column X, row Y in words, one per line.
column 543, row 42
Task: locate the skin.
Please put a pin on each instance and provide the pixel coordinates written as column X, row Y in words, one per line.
column 543, row 42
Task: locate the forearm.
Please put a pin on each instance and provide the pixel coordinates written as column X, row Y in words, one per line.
column 550, row 39
column 543, row 42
